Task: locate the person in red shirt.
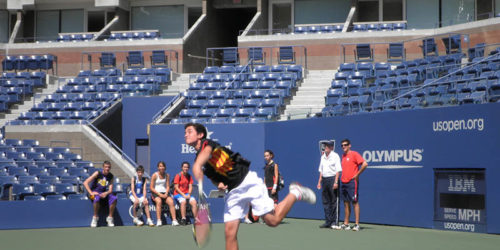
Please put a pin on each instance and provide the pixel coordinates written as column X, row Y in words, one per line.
column 351, row 160
column 183, row 186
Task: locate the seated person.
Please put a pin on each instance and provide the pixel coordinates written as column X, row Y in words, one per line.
column 99, row 186
column 160, row 186
column 183, row 187
column 138, row 196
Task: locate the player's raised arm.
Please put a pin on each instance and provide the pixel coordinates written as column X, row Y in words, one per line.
column 202, row 158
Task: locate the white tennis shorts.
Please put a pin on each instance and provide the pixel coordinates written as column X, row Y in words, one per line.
column 251, row 191
column 141, row 200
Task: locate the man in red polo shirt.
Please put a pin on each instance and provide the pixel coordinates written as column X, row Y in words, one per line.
column 351, row 160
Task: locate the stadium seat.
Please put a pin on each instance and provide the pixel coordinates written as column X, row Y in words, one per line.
column 77, row 197
column 364, row 53
column 257, row 56
column 429, row 47
column 50, row 179
column 107, row 60
column 43, row 189
column 230, row 57
column 19, row 191
column 286, row 55
column 65, row 188
column 396, row 52
column 55, row 197
column 453, row 44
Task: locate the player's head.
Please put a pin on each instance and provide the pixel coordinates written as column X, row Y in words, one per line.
column 185, row 167
column 268, row 155
column 139, row 170
column 194, row 132
column 346, row 145
column 161, row 167
column 106, row 167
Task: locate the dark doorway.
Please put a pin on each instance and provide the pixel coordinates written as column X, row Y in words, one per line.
column 95, row 21
column 230, row 22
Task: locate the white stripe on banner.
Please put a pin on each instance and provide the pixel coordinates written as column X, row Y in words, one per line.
column 394, row 167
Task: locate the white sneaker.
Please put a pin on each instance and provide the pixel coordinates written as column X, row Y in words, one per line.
column 248, row 221
column 345, row 227
column 150, row 223
column 175, row 223
column 306, row 194
column 335, row 227
column 158, row 223
column 110, row 222
column 138, row 222
column 94, row 222
column 355, row 227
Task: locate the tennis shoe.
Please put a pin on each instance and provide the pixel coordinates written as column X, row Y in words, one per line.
column 355, row 227
column 138, row 222
column 305, row 193
column 150, row 223
column 93, row 223
column 248, row 221
column 110, row 221
column 183, row 222
column 158, row 223
column 335, row 227
column 345, row 227
column 175, row 223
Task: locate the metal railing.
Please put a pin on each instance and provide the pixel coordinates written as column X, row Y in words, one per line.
column 165, row 108
column 121, row 58
column 214, row 55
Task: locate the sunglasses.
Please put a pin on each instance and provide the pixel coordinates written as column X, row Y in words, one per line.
column 345, row 145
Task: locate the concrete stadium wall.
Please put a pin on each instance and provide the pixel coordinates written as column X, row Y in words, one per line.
column 324, row 51
column 393, row 190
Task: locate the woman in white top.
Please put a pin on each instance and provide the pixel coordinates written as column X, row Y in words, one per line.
column 160, row 187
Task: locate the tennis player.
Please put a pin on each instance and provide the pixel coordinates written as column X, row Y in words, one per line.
column 229, row 171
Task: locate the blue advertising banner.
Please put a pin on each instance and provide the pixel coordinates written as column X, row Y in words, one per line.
column 401, row 148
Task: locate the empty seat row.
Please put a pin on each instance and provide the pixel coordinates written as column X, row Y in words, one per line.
column 220, row 120
column 133, row 35
column 237, row 94
column 59, row 115
column 77, row 37
column 28, row 62
column 296, row 69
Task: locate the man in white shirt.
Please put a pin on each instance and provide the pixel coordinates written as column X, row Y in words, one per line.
column 329, row 171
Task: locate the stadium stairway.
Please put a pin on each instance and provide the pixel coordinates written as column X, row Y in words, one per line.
column 53, row 82
column 310, row 96
column 180, row 82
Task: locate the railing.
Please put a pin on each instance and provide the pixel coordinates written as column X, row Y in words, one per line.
column 165, row 108
column 415, row 41
column 110, row 142
column 214, row 55
column 121, row 55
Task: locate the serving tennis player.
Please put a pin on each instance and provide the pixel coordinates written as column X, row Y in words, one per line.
column 229, row 171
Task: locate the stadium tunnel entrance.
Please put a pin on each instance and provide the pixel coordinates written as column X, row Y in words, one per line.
column 230, row 21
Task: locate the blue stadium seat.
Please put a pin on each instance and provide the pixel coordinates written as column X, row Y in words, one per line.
column 19, row 191
column 399, row 26
column 453, row 44
column 43, row 189
column 230, row 56
column 386, row 26
column 58, row 197
column 37, row 171
column 286, row 55
column 429, row 47
column 188, row 113
column 27, row 179
column 135, row 59
column 233, row 103
column 257, row 56
column 244, row 112
column 224, row 112
column 206, row 113
column 80, row 172
column 359, row 27
column 396, row 52
column 77, row 197
column 364, row 53
column 17, row 171
column 58, row 172
column 65, row 188
column 159, row 59
column 71, row 179
column 227, row 69
column 107, row 60
column 215, row 103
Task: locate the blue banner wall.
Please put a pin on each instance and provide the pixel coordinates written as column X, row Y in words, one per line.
column 402, row 149
column 136, row 115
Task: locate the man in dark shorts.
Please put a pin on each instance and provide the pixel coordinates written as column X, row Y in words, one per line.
column 101, row 190
column 351, row 160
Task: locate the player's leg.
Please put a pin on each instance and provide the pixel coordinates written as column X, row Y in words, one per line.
column 347, row 212
column 231, row 233
column 112, row 200
column 183, row 209
column 356, row 211
column 134, row 210
column 275, row 217
column 171, row 206
column 96, row 206
column 158, row 202
column 194, row 207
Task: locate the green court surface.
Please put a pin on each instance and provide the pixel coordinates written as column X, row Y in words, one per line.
column 292, row 234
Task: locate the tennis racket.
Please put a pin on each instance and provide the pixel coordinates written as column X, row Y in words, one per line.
column 202, row 225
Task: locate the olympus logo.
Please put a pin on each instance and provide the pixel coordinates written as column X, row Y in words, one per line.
column 393, row 156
